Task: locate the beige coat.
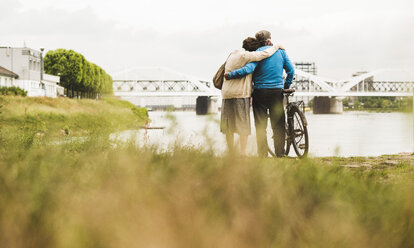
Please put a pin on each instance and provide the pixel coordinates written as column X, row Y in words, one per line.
column 242, row 87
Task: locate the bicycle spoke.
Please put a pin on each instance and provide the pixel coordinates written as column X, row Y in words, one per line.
column 299, row 133
column 298, row 141
column 297, row 120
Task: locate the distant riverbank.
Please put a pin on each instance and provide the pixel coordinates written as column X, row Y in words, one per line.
column 378, row 104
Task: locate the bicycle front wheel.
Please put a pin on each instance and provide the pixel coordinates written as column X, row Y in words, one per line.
column 300, row 139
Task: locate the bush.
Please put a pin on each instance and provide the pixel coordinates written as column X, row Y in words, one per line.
column 141, row 113
column 12, row 91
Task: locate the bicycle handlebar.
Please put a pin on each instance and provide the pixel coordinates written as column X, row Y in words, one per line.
column 289, row 91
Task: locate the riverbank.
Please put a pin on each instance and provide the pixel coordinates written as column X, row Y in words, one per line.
column 56, row 117
column 102, row 192
column 370, row 110
column 379, row 110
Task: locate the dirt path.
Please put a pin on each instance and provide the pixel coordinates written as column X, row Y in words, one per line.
column 381, row 161
column 386, row 168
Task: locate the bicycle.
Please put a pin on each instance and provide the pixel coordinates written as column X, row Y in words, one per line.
column 295, row 127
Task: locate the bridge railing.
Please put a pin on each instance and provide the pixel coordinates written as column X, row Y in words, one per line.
column 157, row 85
column 305, row 85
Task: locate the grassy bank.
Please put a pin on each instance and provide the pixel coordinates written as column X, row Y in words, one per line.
column 63, row 116
column 98, row 192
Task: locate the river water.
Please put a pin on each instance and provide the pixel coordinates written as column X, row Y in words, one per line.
column 347, row 134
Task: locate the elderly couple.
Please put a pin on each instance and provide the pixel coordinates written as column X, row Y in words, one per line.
column 259, row 66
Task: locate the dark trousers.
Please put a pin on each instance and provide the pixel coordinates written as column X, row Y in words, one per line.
column 269, row 102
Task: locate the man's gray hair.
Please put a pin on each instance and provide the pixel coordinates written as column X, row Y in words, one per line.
column 263, row 35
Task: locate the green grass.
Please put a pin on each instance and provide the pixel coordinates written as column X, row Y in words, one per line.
column 97, row 192
column 54, row 117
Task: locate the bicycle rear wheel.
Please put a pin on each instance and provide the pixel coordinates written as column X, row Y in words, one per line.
column 300, row 139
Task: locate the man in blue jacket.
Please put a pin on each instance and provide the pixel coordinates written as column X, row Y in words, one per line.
column 268, row 93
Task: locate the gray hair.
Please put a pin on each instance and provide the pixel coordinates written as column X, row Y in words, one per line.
column 263, row 35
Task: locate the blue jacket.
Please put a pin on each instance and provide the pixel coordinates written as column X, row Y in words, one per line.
column 268, row 73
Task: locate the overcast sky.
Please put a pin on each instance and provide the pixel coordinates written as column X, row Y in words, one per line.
column 195, row 37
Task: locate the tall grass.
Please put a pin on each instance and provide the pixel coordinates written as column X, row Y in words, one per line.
column 96, row 192
column 93, row 194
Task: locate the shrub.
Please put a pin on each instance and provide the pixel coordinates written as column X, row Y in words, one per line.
column 141, row 113
column 12, row 91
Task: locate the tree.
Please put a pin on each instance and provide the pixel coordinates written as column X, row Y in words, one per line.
column 76, row 73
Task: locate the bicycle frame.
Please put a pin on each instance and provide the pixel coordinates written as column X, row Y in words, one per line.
column 291, row 133
column 299, row 104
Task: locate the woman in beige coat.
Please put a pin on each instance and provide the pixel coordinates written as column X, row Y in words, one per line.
column 235, row 110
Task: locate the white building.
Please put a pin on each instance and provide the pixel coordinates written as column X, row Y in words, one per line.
column 25, row 63
column 7, row 77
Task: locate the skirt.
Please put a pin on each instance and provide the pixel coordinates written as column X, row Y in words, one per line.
column 235, row 116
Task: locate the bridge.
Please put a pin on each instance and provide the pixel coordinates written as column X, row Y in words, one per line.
column 159, row 86
column 362, row 85
column 160, row 82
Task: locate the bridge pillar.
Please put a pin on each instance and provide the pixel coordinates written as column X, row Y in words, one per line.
column 327, row 105
column 206, row 105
